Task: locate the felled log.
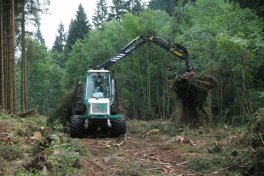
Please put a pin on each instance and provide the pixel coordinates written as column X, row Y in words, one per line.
column 27, row 113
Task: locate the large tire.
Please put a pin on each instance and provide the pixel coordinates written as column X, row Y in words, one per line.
column 118, row 126
column 76, row 127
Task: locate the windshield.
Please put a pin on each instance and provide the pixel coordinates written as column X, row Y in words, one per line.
column 98, row 85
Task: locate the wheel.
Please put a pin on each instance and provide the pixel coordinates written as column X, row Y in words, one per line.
column 76, row 127
column 118, row 126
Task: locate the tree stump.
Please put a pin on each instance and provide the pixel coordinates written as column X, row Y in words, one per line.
column 195, row 98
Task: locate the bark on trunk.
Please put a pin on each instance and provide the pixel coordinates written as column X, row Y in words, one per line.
column 23, row 64
column 2, row 81
column 11, row 57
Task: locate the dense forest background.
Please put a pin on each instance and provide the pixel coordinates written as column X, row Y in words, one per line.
column 224, row 39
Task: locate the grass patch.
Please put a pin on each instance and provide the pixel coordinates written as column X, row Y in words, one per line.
column 10, row 152
column 205, row 164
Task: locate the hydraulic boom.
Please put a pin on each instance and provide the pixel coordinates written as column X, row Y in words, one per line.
column 176, row 49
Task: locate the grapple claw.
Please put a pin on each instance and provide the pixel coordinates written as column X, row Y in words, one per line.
column 188, row 74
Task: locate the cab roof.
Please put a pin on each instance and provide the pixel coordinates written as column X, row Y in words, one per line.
column 98, row 71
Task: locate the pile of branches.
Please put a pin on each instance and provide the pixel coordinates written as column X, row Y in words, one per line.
column 63, row 110
column 257, row 128
column 192, row 90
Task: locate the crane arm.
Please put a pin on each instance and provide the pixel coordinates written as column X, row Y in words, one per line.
column 125, row 51
column 176, row 49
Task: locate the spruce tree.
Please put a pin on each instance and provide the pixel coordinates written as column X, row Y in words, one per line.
column 58, row 45
column 39, row 37
column 101, row 12
column 117, row 10
column 133, row 6
column 167, row 5
column 78, row 28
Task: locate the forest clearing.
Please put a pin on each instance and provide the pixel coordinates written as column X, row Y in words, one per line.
column 28, row 147
column 139, row 87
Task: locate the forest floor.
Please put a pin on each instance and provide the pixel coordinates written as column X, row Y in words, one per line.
column 28, row 147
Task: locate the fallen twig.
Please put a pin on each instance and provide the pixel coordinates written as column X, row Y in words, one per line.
column 183, row 163
column 151, row 169
column 2, row 159
column 260, row 135
column 121, row 143
column 93, row 171
column 155, row 162
column 252, row 149
column 99, row 165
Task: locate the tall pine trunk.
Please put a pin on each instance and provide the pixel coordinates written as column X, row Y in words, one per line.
column 23, row 63
column 5, row 52
column 11, row 57
column 2, row 80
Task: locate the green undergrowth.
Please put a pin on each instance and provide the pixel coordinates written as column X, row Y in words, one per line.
column 53, row 154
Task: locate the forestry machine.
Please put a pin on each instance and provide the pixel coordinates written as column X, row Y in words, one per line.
column 95, row 101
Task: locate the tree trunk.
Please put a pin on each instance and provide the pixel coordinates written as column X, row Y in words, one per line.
column 2, row 80
column 23, row 63
column 11, row 57
column 5, row 53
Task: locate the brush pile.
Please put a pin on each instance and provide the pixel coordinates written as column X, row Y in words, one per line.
column 63, row 111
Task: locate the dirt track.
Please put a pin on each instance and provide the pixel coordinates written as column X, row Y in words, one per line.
column 133, row 155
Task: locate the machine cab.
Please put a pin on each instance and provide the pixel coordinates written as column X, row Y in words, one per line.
column 98, row 84
column 98, row 92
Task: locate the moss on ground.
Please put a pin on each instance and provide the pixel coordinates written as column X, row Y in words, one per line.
column 52, row 154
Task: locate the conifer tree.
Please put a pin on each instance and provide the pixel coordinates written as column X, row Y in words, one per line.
column 101, row 12
column 133, row 6
column 78, row 28
column 58, row 47
column 117, row 10
column 59, row 42
column 166, row 5
column 39, row 37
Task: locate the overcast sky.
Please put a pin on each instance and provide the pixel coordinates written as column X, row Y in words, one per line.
column 63, row 11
